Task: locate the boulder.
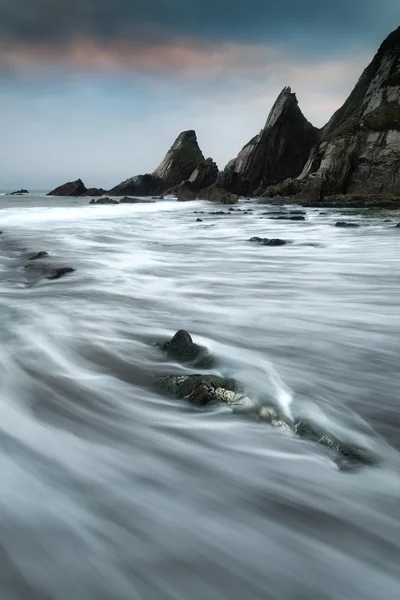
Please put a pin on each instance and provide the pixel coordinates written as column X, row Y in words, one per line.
column 268, row 241
column 95, row 192
column 217, row 195
column 182, row 349
column 128, row 200
column 58, row 272
column 141, row 185
column 346, row 224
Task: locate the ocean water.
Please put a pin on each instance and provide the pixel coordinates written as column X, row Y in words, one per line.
column 112, row 491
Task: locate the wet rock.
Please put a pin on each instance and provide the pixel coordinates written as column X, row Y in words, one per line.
column 21, row 192
column 397, row 226
column 268, row 241
column 128, row 200
column 104, row 201
column 289, row 218
column 140, row 185
column 58, row 272
column 72, row 188
column 182, row 349
column 346, row 224
column 41, row 254
column 200, row 389
column 217, row 195
column 199, row 220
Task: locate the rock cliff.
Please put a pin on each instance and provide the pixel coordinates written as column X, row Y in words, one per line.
column 359, row 149
column 72, row 188
column 279, row 151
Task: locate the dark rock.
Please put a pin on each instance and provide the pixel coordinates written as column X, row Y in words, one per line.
column 58, row 272
column 289, row 218
column 346, row 224
column 199, row 220
column 141, row 185
column 95, row 192
column 217, row 195
column 269, row 241
column 204, row 175
column 181, row 160
column 41, row 254
column 197, row 389
column 104, row 201
column 128, row 200
column 278, row 152
column 72, row 188
column 397, row 226
column 158, row 198
column 182, row 349
column 19, row 193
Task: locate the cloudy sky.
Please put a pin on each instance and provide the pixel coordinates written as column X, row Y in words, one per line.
column 99, row 89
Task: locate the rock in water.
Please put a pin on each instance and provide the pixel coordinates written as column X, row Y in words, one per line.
column 140, row 185
column 346, row 224
column 268, row 241
column 104, row 201
column 21, row 192
column 58, row 272
column 181, row 160
column 182, row 349
column 278, row 152
column 72, row 188
column 358, row 150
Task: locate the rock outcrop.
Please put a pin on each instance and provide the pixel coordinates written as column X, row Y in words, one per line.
column 21, row 192
column 359, row 149
column 72, row 188
column 278, row 152
column 181, row 160
column 140, row 185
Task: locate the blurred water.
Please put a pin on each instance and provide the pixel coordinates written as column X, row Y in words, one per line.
column 110, row 490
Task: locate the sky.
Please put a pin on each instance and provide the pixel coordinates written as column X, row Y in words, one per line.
column 99, row 89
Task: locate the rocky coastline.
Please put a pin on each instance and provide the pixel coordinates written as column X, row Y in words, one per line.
column 353, row 161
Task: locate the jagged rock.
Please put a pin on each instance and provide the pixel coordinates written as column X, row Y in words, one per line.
column 218, row 195
column 268, row 241
column 181, row 160
column 19, row 193
column 72, row 188
column 204, row 175
column 346, row 224
column 182, row 349
column 141, row 185
column 104, row 201
column 278, row 152
column 358, row 150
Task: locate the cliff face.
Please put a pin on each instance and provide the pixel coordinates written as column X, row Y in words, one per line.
column 359, row 148
column 279, row 151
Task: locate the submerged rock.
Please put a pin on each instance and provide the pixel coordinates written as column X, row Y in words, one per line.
column 182, row 349
column 346, row 224
column 269, row 241
column 289, row 218
column 41, row 254
column 104, row 201
column 58, row 272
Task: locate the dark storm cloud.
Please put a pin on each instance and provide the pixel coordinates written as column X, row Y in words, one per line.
column 57, row 21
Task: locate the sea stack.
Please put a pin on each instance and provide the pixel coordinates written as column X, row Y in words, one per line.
column 278, row 152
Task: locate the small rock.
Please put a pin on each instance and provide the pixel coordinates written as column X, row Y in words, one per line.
column 19, row 193
column 40, row 254
column 58, row 272
column 346, row 224
column 199, row 220
column 397, row 226
column 128, row 200
column 182, row 349
column 104, row 201
column 268, row 241
column 294, row 218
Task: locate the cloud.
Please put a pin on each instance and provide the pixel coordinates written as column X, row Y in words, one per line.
column 150, row 21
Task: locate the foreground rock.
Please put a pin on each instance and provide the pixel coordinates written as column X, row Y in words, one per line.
column 345, row 224
column 278, row 152
column 209, row 390
column 268, row 241
column 21, row 192
column 182, row 349
column 72, row 188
